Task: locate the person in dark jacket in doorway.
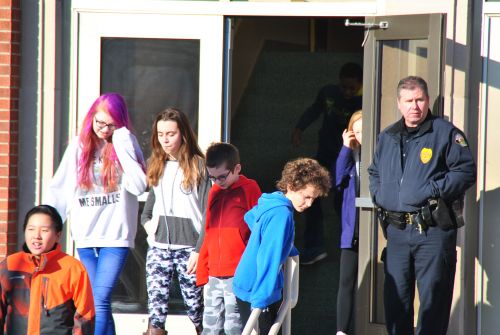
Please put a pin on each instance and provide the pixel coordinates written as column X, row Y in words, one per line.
column 334, row 104
column 420, row 171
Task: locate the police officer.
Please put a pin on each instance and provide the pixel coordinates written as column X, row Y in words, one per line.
column 421, row 169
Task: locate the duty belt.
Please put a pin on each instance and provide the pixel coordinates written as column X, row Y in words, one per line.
column 422, row 218
column 401, row 219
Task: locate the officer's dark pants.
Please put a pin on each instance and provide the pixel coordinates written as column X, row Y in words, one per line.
column 430, row 259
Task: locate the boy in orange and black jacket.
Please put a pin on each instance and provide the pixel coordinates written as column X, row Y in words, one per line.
column 43, row 290
column 226, row 236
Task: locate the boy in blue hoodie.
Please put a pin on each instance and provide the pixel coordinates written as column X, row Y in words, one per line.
column 258, row 280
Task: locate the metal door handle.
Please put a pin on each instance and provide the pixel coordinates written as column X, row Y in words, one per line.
column 364, row 202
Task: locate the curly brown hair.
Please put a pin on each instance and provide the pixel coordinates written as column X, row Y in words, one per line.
column 300, row 172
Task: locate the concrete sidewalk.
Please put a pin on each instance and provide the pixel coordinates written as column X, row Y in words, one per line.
column 136, row 324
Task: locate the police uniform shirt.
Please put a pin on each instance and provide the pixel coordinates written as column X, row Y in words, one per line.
column 437, row 163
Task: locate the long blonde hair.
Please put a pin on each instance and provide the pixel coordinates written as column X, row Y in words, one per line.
column 190, row 157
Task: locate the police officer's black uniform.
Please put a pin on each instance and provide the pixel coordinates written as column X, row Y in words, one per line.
column 413, row 173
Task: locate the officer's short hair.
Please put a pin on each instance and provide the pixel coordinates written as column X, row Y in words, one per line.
column 351, row 70
column 222, row 153
column 411, row 83
column 47, row 210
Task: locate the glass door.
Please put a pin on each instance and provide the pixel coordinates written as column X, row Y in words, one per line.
column 410, row 45
column 155, row 60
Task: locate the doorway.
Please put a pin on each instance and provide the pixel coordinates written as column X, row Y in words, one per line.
column 154, row 61
column 279, row 65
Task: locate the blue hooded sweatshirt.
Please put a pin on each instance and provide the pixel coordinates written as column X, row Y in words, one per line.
column 259, row 276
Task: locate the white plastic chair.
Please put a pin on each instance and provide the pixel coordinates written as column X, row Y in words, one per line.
column 290, row 298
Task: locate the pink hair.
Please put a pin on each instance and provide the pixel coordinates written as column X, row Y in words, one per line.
column 115, row 106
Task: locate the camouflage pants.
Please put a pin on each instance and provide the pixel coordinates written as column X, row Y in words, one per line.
column 160, row 267
column 221, row 314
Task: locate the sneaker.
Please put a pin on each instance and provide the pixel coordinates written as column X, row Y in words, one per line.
column 310, row 257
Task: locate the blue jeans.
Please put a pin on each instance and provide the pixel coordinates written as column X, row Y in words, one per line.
column 104, row 266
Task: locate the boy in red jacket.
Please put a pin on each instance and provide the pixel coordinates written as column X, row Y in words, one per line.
column 226, row 236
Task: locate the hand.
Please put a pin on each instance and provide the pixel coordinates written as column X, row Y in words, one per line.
column 192, row 263
column 296, row 137
column 118, row 137
column 151, row 226
column 348, row 138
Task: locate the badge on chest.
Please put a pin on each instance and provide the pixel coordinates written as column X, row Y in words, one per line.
column 426, row 155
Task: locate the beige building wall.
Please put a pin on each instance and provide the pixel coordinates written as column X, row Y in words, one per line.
column 457, row 109
column 489, row 179
column 460, row 107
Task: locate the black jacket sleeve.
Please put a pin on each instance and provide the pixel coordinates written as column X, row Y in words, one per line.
column 461, row 168
column 312, row 113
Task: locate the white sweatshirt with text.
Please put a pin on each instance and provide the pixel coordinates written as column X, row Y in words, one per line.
column 97, row 218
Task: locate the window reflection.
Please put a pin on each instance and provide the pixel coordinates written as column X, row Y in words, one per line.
column 152, row 74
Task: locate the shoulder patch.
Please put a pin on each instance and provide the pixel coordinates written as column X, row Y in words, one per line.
column 426, row 155
column 460, row 140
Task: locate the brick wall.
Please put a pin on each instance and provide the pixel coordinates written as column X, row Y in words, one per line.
column 10, row 59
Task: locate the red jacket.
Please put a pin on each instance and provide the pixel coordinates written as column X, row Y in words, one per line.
column 50, row 297
column 226, row 233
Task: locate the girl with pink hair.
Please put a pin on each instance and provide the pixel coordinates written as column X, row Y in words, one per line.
column 96, row 186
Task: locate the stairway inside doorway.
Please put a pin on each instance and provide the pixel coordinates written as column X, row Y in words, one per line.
column 284, row 83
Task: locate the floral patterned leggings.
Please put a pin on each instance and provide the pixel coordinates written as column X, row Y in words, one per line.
column 161, row 264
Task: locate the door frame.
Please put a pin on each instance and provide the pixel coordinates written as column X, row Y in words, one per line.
column 418, row 26
column 88, row 28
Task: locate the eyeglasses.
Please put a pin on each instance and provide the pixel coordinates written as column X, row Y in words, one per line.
column 102, row 124
column 221, row 178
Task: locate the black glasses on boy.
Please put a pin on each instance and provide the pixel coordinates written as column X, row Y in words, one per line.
column 222, row 178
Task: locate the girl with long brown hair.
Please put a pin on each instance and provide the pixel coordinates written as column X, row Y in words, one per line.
column 172, row 217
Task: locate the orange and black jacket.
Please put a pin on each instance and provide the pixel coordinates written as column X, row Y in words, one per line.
column 51, row 295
